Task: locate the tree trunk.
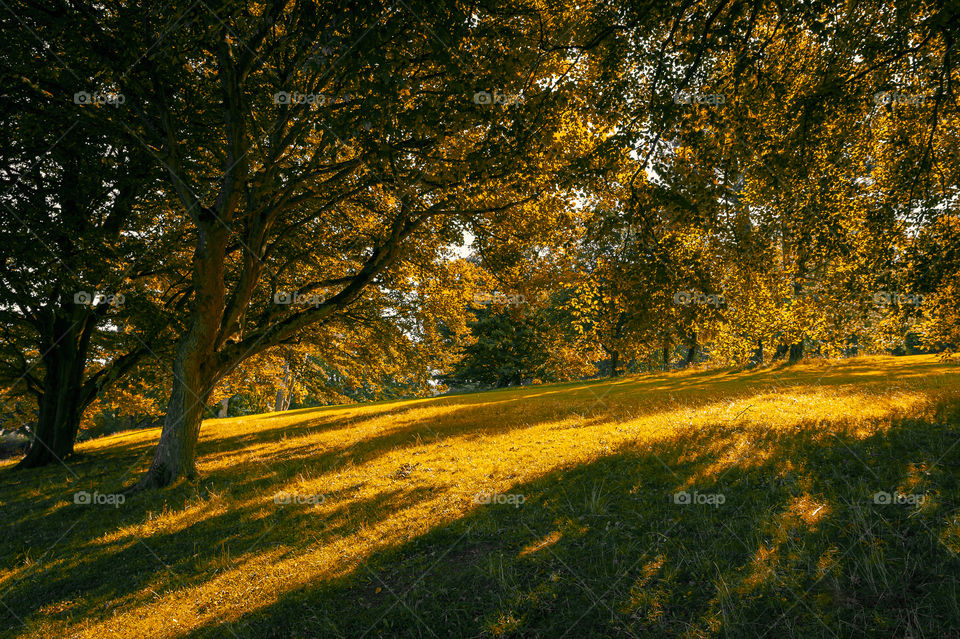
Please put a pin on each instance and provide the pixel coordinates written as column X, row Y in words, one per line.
column 614, row 363
column 175, row 457
column 285, row 394
column 224, row 408
column 282, row 401
column 195, row 369
column 853, row 346
column 691, row 352
column 57, row 425
column 796, row 349
column 61, row 404
column 666, row 356
column 278, row 402
column 796, row 352
column 757, row 358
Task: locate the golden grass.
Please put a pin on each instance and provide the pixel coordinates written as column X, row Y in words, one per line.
column 387, row 473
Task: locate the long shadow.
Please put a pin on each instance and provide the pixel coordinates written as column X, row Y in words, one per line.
column 571, row 504
column 171, row 560
column 798, row 548
column 451, row 423
column 28, row 504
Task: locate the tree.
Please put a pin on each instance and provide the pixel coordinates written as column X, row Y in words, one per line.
column 509, row 348
column 83, row 289
column 317, row 158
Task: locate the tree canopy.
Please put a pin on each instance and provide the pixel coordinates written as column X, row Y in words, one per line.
column 293, row 200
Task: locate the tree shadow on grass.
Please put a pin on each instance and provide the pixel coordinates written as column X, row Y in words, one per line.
column 579, row 511
column 82, row 586
column 799, row 547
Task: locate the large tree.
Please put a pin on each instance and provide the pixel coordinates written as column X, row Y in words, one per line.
column 86, row 248
column 328, row 156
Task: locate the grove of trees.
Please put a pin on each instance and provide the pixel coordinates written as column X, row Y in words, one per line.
column 290, row 201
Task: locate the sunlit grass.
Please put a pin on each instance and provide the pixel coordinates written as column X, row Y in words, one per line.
column 384, row 503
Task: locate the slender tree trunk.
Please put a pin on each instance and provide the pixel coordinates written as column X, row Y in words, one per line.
column 666, row 355
column 614, row 363
column 691, row 352
column 61, row 405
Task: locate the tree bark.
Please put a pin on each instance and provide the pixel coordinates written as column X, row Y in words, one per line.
column 796, row 352
column 196, row 369
column 691, row 352
column 781, row 352
column 853, row 346
column 284, row 394
column 614, row 363
column 62, row 402
column 57, row 425
column 175, row 456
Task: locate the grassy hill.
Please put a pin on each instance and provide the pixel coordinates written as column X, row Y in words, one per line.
column 821, row 499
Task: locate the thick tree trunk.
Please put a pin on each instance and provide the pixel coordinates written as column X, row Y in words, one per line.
column 796, row 352
column 57, row 426
column 61, row 405
column 285, row 394
column 853, row 346
column 195, row 369
column 796, row 349
column 176, row 453
column 224, row 408
column 282, row 401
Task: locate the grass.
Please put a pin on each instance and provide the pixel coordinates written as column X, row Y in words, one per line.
column 548, row 511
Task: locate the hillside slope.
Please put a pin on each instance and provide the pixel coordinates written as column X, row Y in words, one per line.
column 699, row 504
